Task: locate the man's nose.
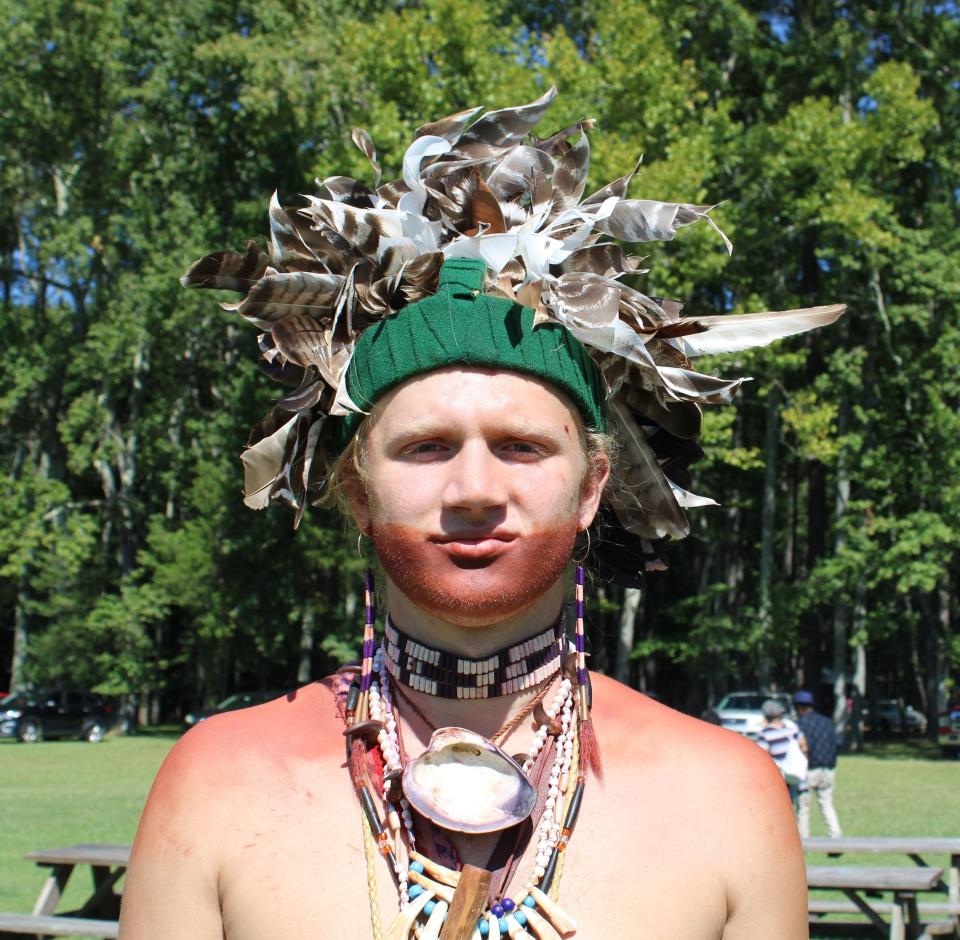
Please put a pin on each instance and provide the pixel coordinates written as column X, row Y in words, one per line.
column 476, row 480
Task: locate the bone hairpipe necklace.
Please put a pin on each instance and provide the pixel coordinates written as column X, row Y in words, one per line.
column 427, row 889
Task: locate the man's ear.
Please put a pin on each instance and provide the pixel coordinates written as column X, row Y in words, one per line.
column 358, row 499
column 592, row 491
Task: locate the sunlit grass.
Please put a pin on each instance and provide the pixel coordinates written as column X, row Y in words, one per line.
column 61, row 792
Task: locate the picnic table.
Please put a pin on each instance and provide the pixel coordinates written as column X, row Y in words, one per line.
column 915, row 847
column 98, row 915
column 862, row 884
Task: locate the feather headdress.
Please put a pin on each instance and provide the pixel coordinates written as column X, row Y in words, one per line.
column 480, row 186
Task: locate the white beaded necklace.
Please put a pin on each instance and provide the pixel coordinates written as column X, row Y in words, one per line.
column 550, row 824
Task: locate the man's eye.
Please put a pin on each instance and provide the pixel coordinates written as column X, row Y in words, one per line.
column 424, row 447
column 523, row 448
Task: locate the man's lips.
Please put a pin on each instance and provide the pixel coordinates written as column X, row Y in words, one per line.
column 467, row 545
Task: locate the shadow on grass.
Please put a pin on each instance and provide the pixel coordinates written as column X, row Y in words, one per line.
column 900, row 747
column 158, row 732
column 169, row 732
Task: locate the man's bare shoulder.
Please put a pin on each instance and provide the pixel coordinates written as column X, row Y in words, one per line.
column 716, row 794
column 260, row 776
column 649, row 735
column 233, row 748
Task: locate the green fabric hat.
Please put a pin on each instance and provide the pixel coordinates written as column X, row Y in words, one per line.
column 462, row 326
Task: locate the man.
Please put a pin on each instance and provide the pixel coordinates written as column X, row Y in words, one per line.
column 821, row 774
column 782, row 740
column 484, row 451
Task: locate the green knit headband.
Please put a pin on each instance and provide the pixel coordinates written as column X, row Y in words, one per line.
column 462, row 326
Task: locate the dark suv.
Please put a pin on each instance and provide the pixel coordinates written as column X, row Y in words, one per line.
column 54, row 713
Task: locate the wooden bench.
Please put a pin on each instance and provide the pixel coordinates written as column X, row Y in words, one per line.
column 914, row 847
column 862, row 884
column 96, row 917
column 928, row 912
column 940, row 908
column 43, row 925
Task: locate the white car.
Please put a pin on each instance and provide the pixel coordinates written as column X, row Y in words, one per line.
column 948, row 732
column 740, row 711
column 889, row 717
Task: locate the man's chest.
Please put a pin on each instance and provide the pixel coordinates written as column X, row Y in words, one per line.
column 297, row 870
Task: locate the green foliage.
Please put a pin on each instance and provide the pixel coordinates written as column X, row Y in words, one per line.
column 138, row 137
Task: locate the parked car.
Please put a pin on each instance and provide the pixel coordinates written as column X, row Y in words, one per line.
column 740, row 711
column 948, row 732
column 54, row 713
column 890, row 718
column 231, row 703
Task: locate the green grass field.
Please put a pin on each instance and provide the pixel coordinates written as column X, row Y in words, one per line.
column 62, row 792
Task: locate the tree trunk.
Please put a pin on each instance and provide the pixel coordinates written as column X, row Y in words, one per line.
column 733, row 549
column 174, row 434
column 790, row 529
column 768, row 519
column 858, row 690
column 840, row 607
column 816, row 538
column 21, row 631
column 307, row 625
column 625, row 636
column 945, row 607
column 127, row 463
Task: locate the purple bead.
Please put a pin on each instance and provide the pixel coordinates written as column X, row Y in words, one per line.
column 508, row 904
column 497, row 910
column 581, row 643
column 580, row 575
column 582, row 677
column 371, row 614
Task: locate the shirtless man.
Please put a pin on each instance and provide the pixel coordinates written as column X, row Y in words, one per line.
column 472, row 476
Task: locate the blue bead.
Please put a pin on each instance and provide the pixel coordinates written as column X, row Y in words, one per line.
column 428, row 907
column 529, row 901
column 502, row 921
column 417, row 867
column 497, row 911
column 415, row 891
column 520, row 918
column 508, row 904
column 483, row 925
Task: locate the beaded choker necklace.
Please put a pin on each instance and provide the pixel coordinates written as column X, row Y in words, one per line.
column 511, row 670
column 438, row 902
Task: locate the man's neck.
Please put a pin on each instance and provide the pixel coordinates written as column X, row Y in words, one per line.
column 484, row 716
column 474, row 642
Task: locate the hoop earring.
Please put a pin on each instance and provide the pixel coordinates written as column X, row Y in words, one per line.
column 586, row 554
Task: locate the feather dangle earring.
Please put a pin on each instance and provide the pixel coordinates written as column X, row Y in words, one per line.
column 589, row 746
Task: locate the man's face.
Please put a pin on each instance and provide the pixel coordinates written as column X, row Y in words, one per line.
column 476, row 486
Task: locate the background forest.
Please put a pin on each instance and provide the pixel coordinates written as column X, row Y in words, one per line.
column 137, row 136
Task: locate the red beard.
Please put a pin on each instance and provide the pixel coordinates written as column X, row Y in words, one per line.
column 467, row 590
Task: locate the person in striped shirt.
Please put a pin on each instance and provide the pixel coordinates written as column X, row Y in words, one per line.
column 784, row 742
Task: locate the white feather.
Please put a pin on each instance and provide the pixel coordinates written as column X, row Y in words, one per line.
column 262, row 463
column 732, row 333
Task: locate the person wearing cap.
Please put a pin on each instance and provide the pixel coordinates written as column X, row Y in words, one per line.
column 464, row 371
column 821, row 773
column 784, row 742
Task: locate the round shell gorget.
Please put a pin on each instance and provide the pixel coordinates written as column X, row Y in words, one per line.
column 465, row 783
